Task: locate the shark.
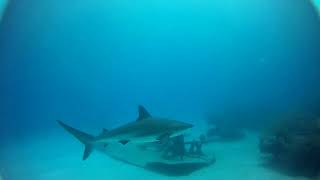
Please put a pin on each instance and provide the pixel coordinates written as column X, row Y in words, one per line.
column 144, row 129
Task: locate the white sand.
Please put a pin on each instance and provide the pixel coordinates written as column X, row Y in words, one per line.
column 59, row 157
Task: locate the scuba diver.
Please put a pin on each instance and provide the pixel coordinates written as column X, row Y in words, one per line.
column 176, row 148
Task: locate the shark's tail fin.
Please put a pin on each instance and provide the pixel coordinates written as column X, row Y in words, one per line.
column 85, row 138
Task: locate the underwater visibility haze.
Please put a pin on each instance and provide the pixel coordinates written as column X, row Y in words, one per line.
column 3, row 4
column 234, row 69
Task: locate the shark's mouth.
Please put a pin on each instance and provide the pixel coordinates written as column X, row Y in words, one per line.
column 185, row 132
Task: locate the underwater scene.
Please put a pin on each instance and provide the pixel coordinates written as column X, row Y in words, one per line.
column 160, row 89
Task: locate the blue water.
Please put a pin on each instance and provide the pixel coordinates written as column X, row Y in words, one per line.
column 317, row 2
column 91, row 63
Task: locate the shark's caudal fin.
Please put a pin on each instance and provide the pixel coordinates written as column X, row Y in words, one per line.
column 85, row 138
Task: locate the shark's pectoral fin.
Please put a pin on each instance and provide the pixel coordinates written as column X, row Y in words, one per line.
column 124, row 141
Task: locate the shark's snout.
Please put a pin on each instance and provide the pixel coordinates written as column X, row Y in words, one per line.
column 183, row 126
column 188, row 126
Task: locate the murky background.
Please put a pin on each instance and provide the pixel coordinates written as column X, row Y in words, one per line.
column 91, row 63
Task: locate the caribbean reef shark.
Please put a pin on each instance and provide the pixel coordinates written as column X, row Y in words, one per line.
column 145, row 129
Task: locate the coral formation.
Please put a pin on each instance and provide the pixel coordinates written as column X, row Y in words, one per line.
column 294, row 146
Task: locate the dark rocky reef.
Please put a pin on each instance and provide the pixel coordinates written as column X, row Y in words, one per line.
column 292, row 146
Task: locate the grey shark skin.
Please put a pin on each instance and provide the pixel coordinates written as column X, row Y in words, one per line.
column 145, row 129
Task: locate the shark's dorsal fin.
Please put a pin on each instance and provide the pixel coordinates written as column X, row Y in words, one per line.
column 143, row 113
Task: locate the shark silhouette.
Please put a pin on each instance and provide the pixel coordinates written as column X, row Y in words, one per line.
column 145, row 129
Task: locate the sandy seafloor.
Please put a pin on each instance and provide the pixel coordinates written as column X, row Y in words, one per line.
column 60, row 157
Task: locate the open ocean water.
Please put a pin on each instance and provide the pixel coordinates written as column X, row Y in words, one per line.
column 242, row 64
